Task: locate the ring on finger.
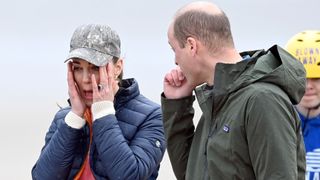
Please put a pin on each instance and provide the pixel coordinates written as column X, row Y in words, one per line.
column 100, row 87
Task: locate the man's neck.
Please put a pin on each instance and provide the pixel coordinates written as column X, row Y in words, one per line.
column 228, row 56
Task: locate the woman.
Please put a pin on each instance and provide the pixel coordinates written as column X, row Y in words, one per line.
column 110, row 131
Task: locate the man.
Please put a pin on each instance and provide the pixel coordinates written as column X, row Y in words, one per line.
column 249, row 128
column 305, row 46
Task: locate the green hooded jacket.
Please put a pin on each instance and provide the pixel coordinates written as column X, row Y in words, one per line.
column 249, row 128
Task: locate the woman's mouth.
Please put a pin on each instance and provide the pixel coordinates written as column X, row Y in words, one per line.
column 88, row 95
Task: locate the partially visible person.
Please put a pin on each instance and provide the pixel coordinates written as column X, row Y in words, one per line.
column 110, row 131
column 305, row 46
column 249, row 128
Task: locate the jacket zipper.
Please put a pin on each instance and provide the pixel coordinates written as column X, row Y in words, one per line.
column 211, row 131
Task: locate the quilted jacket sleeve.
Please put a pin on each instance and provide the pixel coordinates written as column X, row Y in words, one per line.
column 134, row 159
column 57, row 154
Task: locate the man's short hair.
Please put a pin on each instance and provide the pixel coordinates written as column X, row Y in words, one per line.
column 213, row 30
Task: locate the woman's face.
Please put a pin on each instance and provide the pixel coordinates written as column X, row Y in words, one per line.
column 82, row 71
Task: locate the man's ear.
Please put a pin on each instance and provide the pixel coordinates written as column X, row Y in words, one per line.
column 192, row 45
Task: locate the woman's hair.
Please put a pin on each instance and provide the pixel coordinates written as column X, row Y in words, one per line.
column 213, row 30
column 120, row 77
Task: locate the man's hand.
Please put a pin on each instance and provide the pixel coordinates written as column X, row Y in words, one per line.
column 175, row 85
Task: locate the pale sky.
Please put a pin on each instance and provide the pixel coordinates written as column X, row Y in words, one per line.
column 35, row 36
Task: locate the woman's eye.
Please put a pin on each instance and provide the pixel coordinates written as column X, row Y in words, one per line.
column 95, row 68
column 75, row 68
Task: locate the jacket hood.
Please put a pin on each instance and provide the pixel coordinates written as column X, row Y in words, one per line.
column 274, row 66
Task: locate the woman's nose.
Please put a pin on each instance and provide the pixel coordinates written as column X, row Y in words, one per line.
column 86, row 76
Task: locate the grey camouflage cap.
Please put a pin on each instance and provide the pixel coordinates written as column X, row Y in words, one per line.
column 95, row 43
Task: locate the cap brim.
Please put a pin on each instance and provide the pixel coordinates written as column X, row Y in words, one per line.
column 92, row 56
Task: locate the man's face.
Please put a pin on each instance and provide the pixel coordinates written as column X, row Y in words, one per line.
column 311, row 97
column 182, row 58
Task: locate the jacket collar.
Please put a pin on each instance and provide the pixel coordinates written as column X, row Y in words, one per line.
column 128, row 90
column 273, row 66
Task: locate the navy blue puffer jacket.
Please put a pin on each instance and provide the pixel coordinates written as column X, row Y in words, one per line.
column 127, row 145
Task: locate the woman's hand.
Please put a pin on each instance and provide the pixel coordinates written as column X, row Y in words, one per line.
column 77, row 105
column 106, row 89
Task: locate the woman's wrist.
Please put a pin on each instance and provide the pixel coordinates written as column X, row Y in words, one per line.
column 102, row 108
column 74, row 121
